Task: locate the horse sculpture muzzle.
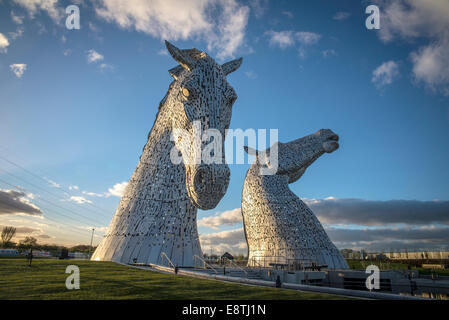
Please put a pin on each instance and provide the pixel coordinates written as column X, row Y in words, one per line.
column 208, row 184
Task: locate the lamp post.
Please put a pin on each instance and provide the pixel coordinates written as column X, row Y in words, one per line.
column 91, row 239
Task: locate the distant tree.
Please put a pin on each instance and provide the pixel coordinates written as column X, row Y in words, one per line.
column 28, row 243
column 81, row 248
column 7, row 234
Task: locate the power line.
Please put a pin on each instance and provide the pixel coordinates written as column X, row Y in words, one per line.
column 58, row 213
column 42, row 199
column 58, row 222
column 46, row 181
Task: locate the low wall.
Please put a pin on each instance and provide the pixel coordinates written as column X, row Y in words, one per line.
column 285, row 285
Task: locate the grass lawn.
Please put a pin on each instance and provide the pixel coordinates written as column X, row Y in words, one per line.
column 107, row 280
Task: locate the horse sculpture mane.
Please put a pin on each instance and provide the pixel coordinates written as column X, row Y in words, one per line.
column 157, row 214
column 279, row 227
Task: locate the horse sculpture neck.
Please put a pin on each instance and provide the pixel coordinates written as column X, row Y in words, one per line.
column 155, row 214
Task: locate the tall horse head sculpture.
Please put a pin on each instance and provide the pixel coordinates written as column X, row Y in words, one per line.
column 156, row 217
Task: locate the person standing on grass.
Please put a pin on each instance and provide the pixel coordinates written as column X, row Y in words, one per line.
column 30, row 257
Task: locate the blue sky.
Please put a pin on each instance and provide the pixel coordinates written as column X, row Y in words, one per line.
column 79, row 113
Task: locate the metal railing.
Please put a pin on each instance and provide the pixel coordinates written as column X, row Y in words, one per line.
column 237, row 266
column 164, row 255
column 204, row 263
column 270, row 262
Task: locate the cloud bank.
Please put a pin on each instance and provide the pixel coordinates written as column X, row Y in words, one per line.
column 226, row 218
column 353, row 223
column 16, row 202
column 379, row 213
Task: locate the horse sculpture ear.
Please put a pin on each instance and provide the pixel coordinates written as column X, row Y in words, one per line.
column 231, row 66
column 183, row 59
column 250, row 151
column 176, row 71
column 257, row 153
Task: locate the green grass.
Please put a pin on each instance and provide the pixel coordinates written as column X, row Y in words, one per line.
column 107, row 280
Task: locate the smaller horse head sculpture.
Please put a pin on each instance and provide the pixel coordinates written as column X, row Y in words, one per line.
column 200, row 101
column 293, row 158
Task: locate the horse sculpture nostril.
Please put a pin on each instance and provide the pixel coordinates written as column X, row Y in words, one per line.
column 334, row 137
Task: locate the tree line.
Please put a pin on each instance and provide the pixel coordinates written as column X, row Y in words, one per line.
column 30, row 242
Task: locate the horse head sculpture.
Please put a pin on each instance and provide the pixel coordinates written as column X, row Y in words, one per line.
column 178, row 170
column 202, row 98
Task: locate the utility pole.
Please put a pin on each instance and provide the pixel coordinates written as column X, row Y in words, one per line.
column 91, row 239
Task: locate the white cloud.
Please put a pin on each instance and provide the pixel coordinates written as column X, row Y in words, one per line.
column 230, row 217
column 18, row 69
column 73, row 187
column 341, row 15
column 93, row 56
column 251, row 74
column 221, row 23
column 93, row 194
column 4, row 43
column 288, row 38
column 93, row 27
column 409, row 19
column 385, row 74
column 17, row 34
column 232, row 241
column 431, row 66
column 283, row 39
column 67, row 52
column 106, row 67
column 49, row 6
column 103, row 229
column 118, row 189
column 16, row 18
column 79, row 199
column 288, row 14
column 328, row 53
column 259, row 7
column 52, row 183
column 416, row 19
column 306, row 38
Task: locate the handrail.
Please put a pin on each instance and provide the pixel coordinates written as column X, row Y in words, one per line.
column 236, row 265
column 205, row 263
column 163, row 254
column 253, row 261
column 292, row 264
